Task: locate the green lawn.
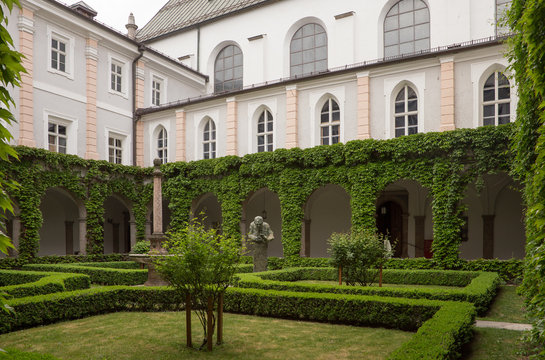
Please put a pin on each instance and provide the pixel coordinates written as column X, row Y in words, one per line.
column 507, row 307
column 325, row 282
column 494, row 344
column 149, row 336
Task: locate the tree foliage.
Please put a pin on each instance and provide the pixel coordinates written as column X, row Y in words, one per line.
column 10, row 76
column 202, row 264
column 527, row 56
column 360, row 254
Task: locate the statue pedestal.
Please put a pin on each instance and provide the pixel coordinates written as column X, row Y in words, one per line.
column 156, row 250
column 260, row 256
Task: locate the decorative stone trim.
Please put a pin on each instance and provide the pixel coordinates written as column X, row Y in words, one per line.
column 447, row 94
column 26, row 92
column 180, row 135
column 291, row 117
column 232, row 124
column 91, row 54
column 364, row 114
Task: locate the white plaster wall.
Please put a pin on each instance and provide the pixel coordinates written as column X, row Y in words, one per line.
column 167, row 120
column 329, row 212
column 363, row 30
column 268, row 201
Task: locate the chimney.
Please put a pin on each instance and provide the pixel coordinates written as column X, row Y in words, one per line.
column 84, row 9
column 131, row 28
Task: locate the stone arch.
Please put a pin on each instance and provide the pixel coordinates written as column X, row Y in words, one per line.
column 207, row 209
column 404, row 211
column 119, row 224
column 327, row 210
column 265, row 203
column 63, row 229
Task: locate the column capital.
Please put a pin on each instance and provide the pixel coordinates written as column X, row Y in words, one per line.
column 362, row 74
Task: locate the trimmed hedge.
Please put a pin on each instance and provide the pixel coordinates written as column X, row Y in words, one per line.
column 99, row 275
column 28, row 283
column 509, row 270
column 480, row 290
column 17, row 263
column 444, row 326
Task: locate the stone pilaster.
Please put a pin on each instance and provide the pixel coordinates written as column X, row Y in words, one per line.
column 91, row 56
column 364, row 114
column 26, row 91
column 291, row 117
column 232, row 126
column 139, row 96
column 180, row 135
column 447, row 94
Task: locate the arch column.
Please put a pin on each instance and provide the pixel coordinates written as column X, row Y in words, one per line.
column 26, row 91
column 232, row 124
column 82, row 223
column 447, row 94
column 291, row 117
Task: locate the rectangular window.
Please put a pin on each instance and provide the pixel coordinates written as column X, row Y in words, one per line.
column 156, row 88
column 115, row 150
column 56, row 137
column 58, row 54
column 116, row 77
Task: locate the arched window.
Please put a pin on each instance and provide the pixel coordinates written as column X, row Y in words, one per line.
column 501, row 9
column 162, row 146
column 228, row 69
column 330, row 123
column 406, row 112
column 209, row 140
column 406, row 28
column 308, row 50
column 265, row 132
column 496, row 100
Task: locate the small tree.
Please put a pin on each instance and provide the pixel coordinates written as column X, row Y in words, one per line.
column 360, row 254
column 201, row 264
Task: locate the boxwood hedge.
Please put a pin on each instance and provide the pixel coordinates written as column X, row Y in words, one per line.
column 29, row 283
column 443, row 327
column 478, row 288
column 99, row 275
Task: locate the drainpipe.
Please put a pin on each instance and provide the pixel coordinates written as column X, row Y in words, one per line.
column 198, row 48
column 135, row 118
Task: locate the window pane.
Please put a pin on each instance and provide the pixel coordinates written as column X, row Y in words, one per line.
column 400, row 121
column 413, row 105
column 488, row 110
column 411, row 93
column 334, row 140
column 401, row 95
column 62, row 47
column 489, row 82
column 502, row 80
column 321, row 53
column 297, row 70
column 503, row 120
column 406, row 20
column 413, row 130
column 269, row 139
column 52, row 128
column 62, row 141
column 260, row 148
column 325, row 141
column 399, row 107
column 336, row 116
column 391, row 23
column 321, row 65
column 399, row 132
column 335, row 130
column 421, row 31
column 270, row 126
column 406, row 5
column 325, row 131
column 260, row 140
column 488, row 121
column 413, row 120
column 308, row 56
column 421, row 16
column 308, row 43
column 52, row 141
column 238, row 60
column 391, row 51
column 308, row 68
column 62, row 130
column 489, row 95
column 503, row 93
column 308, row 30
column 503, row 109
column 54, row 44
column 111, row 141
column 320, row 39
column 406, row 48
column 391, row 38
column 296, row 45
column 324, row 118
column 261, row 128
column 421, row 45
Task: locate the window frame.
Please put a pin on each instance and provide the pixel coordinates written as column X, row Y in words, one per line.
column 60, row 36
column 164, row 147
column 57, row 136
column 331, row 122
column 125, row 144
column 267, row 146
column 219, row 86
column 292, row 52
column 406, row 113
column 399, row 28
column 123, row 64
column 71, row 125
column 210, row 154
column 162, row 80
column 496, row 102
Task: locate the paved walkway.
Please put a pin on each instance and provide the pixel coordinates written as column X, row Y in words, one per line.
column 502, row 325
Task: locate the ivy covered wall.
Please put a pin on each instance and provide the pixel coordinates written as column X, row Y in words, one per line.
column 444, row 163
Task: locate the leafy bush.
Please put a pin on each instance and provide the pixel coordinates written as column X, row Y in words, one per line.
column 359, row 254
column 141, row 247
column 17, row 263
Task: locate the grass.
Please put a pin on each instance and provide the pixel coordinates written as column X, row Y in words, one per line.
column 326, row 282
column 508, row 306
column 150, row 336
column 494, row 344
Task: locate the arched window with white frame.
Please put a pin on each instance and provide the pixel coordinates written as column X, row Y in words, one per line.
column 330, row 123
column 265, row 126
column 162, row 145
column 406, row 112
column 308, row 50
column 407, row 28
column 228, row 69
column 496, row 99
column 209, row 140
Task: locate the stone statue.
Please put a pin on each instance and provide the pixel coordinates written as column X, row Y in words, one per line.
column 260, row 235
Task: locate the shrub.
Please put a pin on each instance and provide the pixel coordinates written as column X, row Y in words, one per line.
column 106, row 276
column 28, row 283
column 141, row 247
column 359, row 254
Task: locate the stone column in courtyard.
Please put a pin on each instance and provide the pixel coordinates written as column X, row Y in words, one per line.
column 157, row 237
